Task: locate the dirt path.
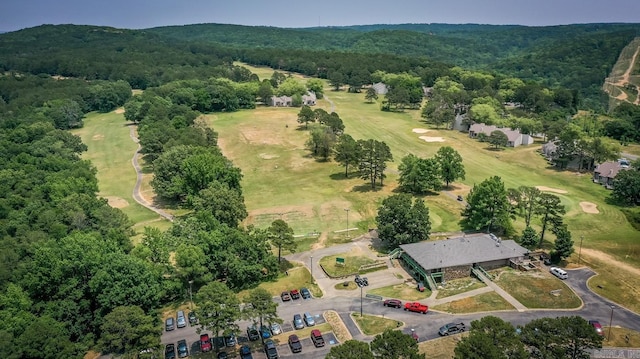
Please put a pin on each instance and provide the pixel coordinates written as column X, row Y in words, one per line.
column 320, row 243
column 623, row 80
column 333, row 106
column 608, row 258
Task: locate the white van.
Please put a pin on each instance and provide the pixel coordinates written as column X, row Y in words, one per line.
column 181, row 320
column 558, row 273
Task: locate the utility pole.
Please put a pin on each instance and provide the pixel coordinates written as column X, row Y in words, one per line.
column 610, row 320
column 361, row 300
column 312, row 281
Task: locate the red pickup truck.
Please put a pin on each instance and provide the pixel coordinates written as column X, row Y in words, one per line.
column 416, row 307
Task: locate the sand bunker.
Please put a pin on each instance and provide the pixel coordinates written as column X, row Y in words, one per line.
column 266, row 156
column 420, row 130
column 549, row 189
column 116, row 202
column 431, row 139
column 589, row 207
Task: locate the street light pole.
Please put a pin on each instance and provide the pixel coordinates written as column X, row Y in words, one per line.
column 610, row 320
column 347, row 209
column 311, row 269
column 580, row 250
column 190, row 295
column 361, row 300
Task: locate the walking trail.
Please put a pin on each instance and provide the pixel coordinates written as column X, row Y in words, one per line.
column 136, row 189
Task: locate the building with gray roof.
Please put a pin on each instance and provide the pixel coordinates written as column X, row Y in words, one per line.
column 455, row 257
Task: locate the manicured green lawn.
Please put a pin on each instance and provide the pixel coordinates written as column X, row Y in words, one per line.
column 401, row 291
column 479, row 303
column 534, row 290
column 373, row 324
column 297, row 278
column 110, row 150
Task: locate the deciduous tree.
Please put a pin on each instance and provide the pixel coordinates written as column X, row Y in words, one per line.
column 393, row 344
column 419, row 175
column 351, row 349
column 128, row 330
column 498, row 139
column 347, row 152
column 450, row 163
column 491, row 338
column 400, row 221
column 560, row 337
column 371, row 95
column 217, row 308
column 626, row 187
column 260, row 307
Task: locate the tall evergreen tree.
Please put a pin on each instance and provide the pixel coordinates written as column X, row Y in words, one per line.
column 347, row 152
column 488, row 207
column 551, row 210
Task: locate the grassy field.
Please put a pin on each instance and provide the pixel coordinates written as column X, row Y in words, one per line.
column 619, row 338
column 458, row 286
column 373, row 324
column 110, row 150
column 480, row 303
column 401, row 291
column 533, row 289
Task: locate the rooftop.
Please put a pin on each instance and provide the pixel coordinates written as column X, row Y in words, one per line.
column 464, row 250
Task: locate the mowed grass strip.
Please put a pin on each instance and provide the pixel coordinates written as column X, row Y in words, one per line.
column 110, row 150
column 621, row 337
column 373, row 324
column 480, row 303
column 401, row 291
column 614, row 283
column 458, row 286
column 534, row 290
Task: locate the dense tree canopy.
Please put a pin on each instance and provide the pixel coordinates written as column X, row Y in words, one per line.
column 488, row 207
column 402, row 220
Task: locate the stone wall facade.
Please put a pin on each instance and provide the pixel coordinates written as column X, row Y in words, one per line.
column 494, row 264
column 462, row 271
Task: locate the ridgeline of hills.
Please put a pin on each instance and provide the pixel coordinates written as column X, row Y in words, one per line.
column 577, row 57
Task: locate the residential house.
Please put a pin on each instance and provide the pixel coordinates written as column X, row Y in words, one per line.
column 381, row 89
column 606, row 172
column 309, row 99
column 515, row 138
column 282, row 101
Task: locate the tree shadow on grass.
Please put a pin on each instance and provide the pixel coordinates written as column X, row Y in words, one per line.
column 339, row 176
column 285, row 265
column 365, row 187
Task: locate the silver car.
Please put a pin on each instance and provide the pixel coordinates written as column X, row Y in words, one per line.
column 276, row 329
column 297, row 321
column 308, row 318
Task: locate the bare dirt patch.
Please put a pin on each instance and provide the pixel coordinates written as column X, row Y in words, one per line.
column 589, row 207
column 420, row 130
column 550, row 189
column 119, row 110
column 431, row 139
column 287, row 213
column 607, row 258
column 97, row 137
column 116, row 202
column 322, row 239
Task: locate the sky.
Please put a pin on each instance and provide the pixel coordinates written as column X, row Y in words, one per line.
column 140, row 14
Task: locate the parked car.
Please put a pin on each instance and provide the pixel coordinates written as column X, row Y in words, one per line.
column 230, row 340
column 297, row 321
column 270, row 349
column 452, row 328
column 306, row 294
column 276, row 328
column 415, row 336
column 416, row 307
column 183, row 349
column 308, row 319
column 459, row 198
column 295, row 294
column 193, row 320
column 253, row 333
column 294, row 344
column 169, row 324
column 265, row 331
column 560, row 273
column 205, row 343
column 597, row 327
column 245, row 352
column 421, row 287
column 181, row 320
column 392, row 303
column 316, row 338
column 223, row 355
column 285, row 296
column 170, row 351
